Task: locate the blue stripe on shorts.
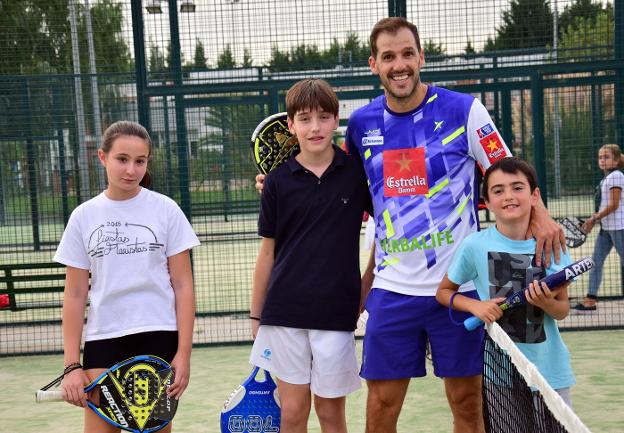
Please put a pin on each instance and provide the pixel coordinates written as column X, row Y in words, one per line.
column 398, row 328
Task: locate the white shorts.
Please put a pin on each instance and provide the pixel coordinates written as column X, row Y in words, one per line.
column 324, row 359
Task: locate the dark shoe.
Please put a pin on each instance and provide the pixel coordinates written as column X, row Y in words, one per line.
column 583, row 307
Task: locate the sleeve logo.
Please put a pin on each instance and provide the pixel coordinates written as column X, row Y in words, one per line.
column 485, row 130
column 405, row 172
column 492, row 145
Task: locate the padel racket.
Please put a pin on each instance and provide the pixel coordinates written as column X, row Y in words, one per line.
column 573, row 231
column 253, row 407
column 272, row 143
column 552, row 280
column 131, row 395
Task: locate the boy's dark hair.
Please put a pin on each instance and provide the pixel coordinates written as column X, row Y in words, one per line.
column 391, row 25
column 510, row 165
column 311, row 94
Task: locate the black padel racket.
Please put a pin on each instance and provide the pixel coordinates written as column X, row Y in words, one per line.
column 131, row 395
column 573, row 230
column 272, row 143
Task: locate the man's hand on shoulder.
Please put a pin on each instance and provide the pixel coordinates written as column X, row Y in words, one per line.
column 549, row 237
column 260, row 183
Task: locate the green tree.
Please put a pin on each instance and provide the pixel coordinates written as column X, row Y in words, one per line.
column 352, row 51
column 111, row 51
column 589, row 37
column 587, row 9
column 247, row 59
column 431, row 49
column 469, row 49
column 226, row 59
column 36, row 37
column 157, row 61
column 306, row 55
column 355, row 51
column 280, row 60
column 527, row 24
column 199, row 59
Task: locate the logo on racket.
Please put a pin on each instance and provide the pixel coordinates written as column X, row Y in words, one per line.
column 253, row 407
column 272, row 143
column 141, row 388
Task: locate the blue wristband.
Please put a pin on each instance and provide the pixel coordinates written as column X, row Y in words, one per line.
column 451, row 310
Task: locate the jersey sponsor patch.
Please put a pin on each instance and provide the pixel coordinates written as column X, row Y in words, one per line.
column 493, row 146
column 373, row 141
column 485, row 130
column 405, row 172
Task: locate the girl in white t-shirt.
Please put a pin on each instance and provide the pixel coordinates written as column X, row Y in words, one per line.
column 611, row 216
column 135, row 244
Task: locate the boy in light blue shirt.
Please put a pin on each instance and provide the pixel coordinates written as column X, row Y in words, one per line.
column 501, row 261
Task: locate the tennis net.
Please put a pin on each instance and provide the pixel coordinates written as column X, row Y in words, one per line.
column 516, row 397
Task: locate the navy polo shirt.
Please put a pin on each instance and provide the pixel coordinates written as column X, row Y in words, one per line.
column 316, row 222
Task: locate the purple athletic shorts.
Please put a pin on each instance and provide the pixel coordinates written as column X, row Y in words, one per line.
column 397, row 331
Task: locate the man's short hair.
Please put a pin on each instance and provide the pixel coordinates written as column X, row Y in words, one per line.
column 510, row 165
column 391, row 25
column 311, row 94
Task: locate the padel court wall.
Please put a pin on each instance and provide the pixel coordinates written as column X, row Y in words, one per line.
column 201, row 81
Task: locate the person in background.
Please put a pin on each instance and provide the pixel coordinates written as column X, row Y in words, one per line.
column 610, row 214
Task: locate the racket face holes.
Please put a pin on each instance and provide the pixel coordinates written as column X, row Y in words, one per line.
column 142, row 387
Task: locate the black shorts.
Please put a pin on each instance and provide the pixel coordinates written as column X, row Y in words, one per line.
column 108, row 352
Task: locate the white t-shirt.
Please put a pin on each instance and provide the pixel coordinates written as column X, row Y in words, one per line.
column 615, row 220
column 125, row 244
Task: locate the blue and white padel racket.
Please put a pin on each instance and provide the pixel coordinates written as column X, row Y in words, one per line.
column 253, row 407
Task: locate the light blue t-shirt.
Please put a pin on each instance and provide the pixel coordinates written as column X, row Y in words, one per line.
column 500, row 266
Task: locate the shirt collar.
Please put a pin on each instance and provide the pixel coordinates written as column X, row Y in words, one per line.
column 340, row 158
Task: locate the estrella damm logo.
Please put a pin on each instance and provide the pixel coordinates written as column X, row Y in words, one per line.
column 493, row 146
column 405, row 172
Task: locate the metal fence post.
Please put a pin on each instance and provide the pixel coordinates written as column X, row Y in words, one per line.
column 182, row 146
column 397, row 8
column 539, row 154
column 139, row 64
column 31, row 159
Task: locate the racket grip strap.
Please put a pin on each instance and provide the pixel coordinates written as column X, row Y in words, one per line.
column 472, row 323
column 48, row 396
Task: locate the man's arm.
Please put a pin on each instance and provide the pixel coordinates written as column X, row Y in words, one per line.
column 367, row 278
column 549, row 237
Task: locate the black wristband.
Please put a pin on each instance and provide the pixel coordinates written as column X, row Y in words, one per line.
column 254, row 318
column 71, row 367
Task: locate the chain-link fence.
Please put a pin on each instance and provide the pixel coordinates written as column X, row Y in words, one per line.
column 201, row 74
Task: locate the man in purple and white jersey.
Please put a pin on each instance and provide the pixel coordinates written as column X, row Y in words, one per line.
column 419, row 145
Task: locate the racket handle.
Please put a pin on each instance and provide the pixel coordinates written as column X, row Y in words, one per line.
column 472, row 323
column 48, row 396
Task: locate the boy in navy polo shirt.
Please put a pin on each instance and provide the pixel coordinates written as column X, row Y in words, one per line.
column 306, row 285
